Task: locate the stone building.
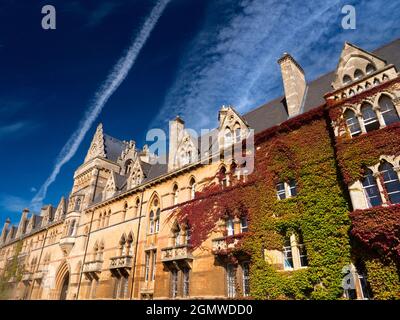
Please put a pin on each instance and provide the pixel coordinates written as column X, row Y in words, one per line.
column 117, row 236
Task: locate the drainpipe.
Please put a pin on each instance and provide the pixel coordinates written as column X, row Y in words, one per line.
column 84, row 256
column 133, row 269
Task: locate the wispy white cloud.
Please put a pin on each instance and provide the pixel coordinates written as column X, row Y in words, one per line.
column 12, row 203
column 233, row 59
column 110, row 85
column 16, row 128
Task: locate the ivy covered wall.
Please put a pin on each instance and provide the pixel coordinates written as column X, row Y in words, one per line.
column 301, row 149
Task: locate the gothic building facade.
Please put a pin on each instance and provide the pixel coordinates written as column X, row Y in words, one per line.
column 326, row 177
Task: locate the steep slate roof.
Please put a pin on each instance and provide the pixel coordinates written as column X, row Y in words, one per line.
column 119, row 180
column 113, row 147
column 155, row 171
column 273, row 113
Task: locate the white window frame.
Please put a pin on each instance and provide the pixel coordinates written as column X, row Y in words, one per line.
column 147, row 266
column 246, row 278
column 231, row 280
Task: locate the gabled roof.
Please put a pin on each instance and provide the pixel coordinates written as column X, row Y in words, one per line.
column 113, row 147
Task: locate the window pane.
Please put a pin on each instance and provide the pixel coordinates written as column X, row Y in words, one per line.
column 246, row 279
column 392, row 183
column 371, row 190
column 186, row 282
column 303, row 255
column 153, row 268
column 388, row 110
column 293, row 187
column 231, row 280
column 352, row 122
column 243, row 224
column 147, row 266
column 280, row 189
column 174, row 283
column 229, row 227
column 370, row 119
column 287, row 256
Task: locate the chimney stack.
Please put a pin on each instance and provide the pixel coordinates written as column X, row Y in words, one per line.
column 176, row 128
column 3, row 232
column 294, row 84
column 21, row 225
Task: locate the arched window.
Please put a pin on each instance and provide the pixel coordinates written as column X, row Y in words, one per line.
column 391, row 181
column 125, row 211
column 223, row 179
column 71, row 228
column 176, row 231
column 187, row 234
column 230, row 230
column 108, row 218
column 370, row 68
column 128, row 166
column 151, row 221
column 238, row 132
column 376, row 81
column 369, row 116
column 371, row 189
column 388, row 110
column 192, row 185
column 228, row 137
column 352, row 122
column 358, row 74
column 137, row 207
column 129, row 246
column 190, row 156
column 175, row 192
column 78, row 204
column 122, row 247
column 346, row 79
column 351, row 93
column 157, row 220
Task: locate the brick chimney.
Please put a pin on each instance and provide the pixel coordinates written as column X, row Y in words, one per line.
column 176, row 128
column 294, row 84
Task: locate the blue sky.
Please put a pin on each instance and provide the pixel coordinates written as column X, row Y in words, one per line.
column 201, row 54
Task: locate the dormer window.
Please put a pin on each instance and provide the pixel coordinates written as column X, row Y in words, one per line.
column 228, row 137
column 370, row 68
column 346, row 79
column 358, row 74
column 238, row 133
column 128, row 167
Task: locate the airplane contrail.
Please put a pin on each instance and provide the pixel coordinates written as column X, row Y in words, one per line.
column 113, row 81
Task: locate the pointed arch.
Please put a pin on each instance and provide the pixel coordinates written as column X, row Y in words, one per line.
column 62, row 281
